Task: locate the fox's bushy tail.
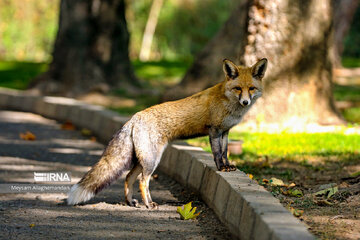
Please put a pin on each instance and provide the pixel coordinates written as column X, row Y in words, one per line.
column 116, row 159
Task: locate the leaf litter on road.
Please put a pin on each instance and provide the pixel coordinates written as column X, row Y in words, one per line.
column 27, row 136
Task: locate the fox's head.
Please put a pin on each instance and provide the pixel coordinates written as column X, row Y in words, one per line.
column 244, row 84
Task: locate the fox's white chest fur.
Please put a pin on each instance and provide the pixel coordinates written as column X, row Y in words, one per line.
column 233, row 119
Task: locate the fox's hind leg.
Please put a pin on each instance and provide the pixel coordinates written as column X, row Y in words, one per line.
column 149, row 160
column 149, row 164
column 149, row 145
column 129, row 182
column 145, row 192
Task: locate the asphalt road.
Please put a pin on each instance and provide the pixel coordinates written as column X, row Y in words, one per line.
column 45, row 216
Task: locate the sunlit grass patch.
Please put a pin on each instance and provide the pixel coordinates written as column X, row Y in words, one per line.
column 352, row 114
column 350, row 62
column 163, row 71
column 270, row 154
column 292, row 144
column 347, row 92
column 18, row 75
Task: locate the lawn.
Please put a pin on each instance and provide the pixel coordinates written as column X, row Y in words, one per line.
column 17, row 75
column 161, row 72
column 350, row 62
column 351, row 95
column 271, row 154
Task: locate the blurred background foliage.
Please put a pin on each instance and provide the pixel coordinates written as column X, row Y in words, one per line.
column 28, row 30
column 183, row 28
column 352, row 40
column 28, row 27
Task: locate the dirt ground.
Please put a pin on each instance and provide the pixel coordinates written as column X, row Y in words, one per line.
column 335, row 217
column 45, row 216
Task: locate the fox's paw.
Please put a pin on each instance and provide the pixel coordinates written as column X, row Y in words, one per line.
column 224, row 169
column 152, row 205
column 133, row 203
column 232, row 168
column 228, row 168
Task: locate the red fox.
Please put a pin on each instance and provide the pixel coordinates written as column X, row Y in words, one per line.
column 139, row 144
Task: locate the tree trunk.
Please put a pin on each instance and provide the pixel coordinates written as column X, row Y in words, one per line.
column 90, row 51
column 145, row 50
column 295, row 36
column 344, row 11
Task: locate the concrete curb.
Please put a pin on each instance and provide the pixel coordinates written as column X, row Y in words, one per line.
column 248, row 210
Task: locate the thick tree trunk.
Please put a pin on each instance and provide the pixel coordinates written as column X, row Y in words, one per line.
column 90, row 51
column 295, row 36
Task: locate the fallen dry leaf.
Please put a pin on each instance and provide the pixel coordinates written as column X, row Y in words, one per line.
column 67, row 126
column 291, row 185
column 32, row 225
column 86, row 132
column 327, row 192
column 296, row 212
column 28, row 136
column 250, row 176
column 276, row 182
column 187, row 212
column 293, row 192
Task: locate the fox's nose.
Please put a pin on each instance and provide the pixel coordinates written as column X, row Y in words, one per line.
column 245, row 102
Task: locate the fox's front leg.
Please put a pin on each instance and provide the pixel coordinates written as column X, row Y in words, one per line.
column 215, row 137
column 224, row 148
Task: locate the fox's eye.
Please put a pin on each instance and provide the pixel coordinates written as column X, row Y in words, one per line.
column 237, row 88
column 251, row 88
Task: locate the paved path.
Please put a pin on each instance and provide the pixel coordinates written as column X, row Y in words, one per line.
column 44, row 216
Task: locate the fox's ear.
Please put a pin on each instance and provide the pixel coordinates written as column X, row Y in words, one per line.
column 230, row 69
column 259, row 68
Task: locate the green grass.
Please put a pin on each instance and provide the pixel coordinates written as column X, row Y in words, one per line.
column 312, row 151
column 289, row 144
column 161, row 71
column 352, row 114
column 18, row 75
column 292, row 144
column 347, row 92
column 350, row 62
